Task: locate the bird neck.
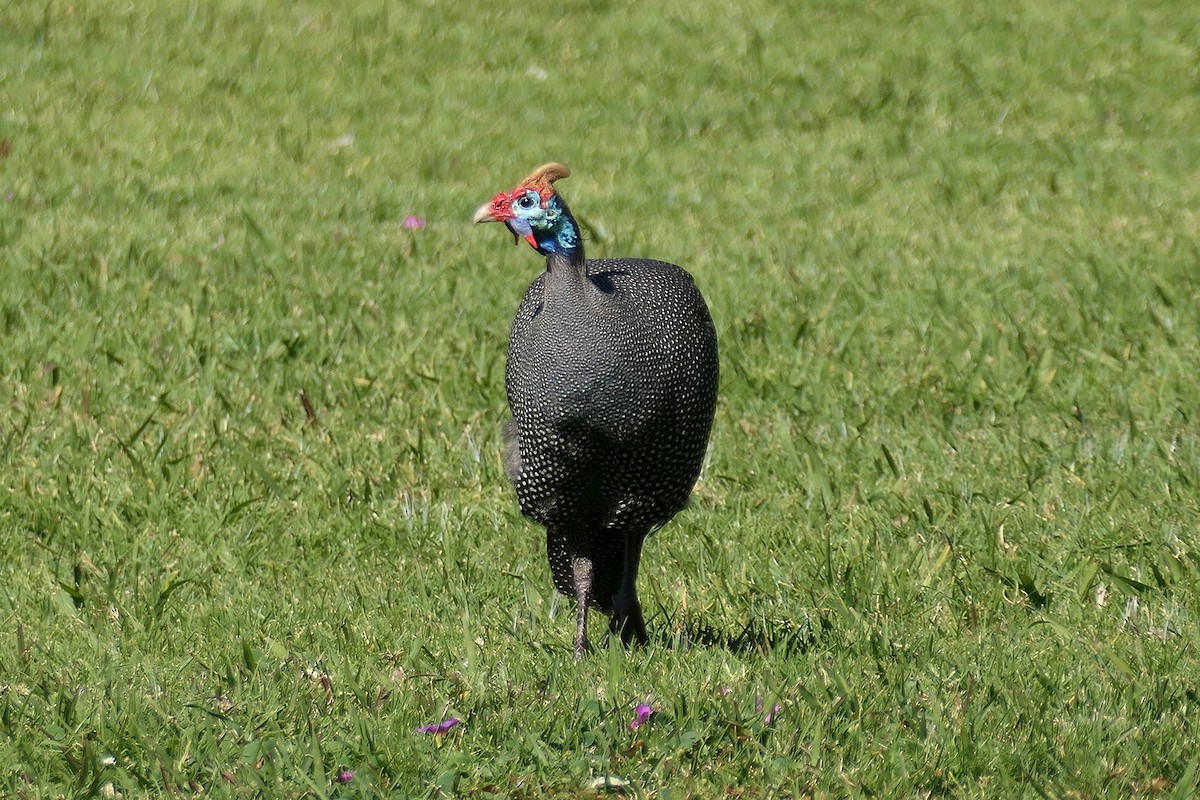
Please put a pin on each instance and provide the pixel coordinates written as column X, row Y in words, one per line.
column 565, row 280
column 563, row 266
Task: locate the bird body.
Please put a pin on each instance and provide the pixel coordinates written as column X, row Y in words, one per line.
column 611, row 378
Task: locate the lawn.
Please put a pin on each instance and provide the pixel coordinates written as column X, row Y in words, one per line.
column 254, row 518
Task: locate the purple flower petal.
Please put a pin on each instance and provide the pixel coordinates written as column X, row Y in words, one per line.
column 438, row 728
column 725, row 691
column 641, row 714
column 771, row 715
column 345, row 776
column 413, row 222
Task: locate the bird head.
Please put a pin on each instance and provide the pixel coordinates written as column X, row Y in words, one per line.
column 535, row 212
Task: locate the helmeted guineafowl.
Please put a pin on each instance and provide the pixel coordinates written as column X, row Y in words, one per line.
column 612, row 382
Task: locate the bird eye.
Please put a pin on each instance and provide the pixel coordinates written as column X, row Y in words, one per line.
column 526, row 201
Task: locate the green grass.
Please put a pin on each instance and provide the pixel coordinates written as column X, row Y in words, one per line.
column 951, row 517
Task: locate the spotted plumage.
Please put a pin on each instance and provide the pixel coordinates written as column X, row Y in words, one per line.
column 612, row 379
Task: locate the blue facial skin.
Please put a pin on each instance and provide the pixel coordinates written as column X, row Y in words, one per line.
column 519, row 227
column 552, row 225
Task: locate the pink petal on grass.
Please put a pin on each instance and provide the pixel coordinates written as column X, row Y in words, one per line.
column 438, row 728
column 413, row 222
column 345, row 776
column 641, row 715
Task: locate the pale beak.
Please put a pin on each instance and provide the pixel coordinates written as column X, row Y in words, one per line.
column 484, row 214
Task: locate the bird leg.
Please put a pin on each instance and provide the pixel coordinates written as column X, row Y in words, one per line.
column 581, row 567
column 627, row 612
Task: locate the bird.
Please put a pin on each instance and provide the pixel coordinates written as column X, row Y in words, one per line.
column 611, row 379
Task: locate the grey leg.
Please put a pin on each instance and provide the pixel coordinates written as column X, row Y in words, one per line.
column 581, row 567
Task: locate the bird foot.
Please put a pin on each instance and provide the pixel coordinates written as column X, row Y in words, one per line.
column 628, row 623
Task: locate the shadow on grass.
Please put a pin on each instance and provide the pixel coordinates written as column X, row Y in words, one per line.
column 756, row 635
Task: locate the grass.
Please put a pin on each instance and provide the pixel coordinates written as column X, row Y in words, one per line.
column 255, row 522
